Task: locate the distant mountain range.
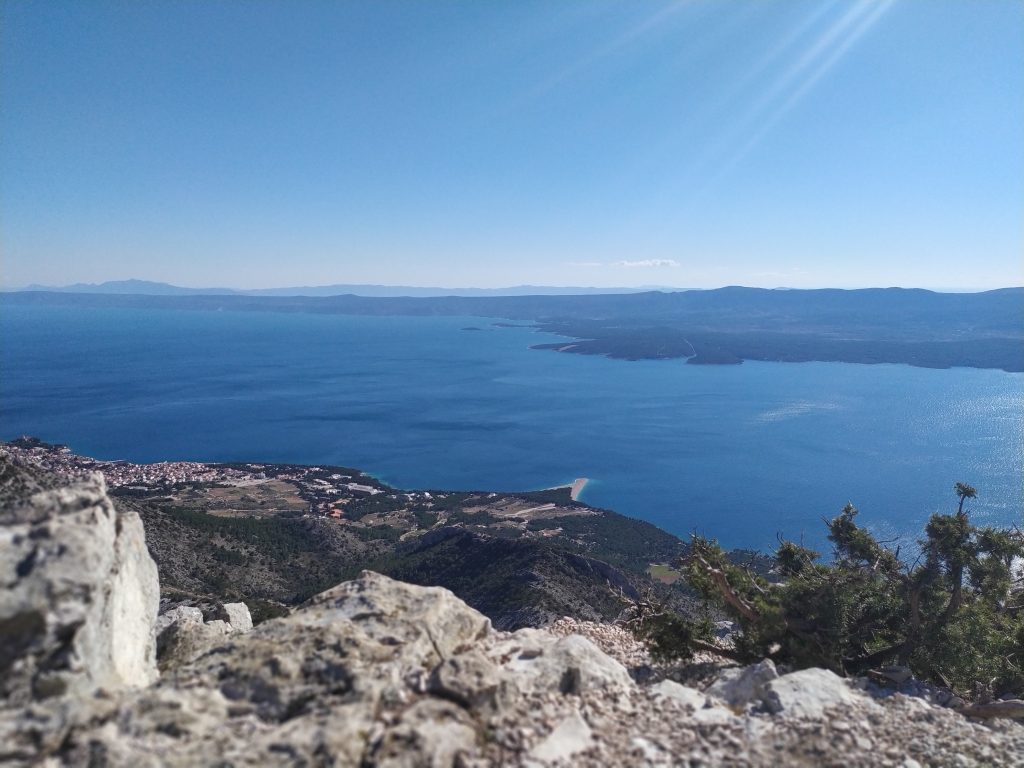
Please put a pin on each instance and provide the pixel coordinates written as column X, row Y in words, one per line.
column 150, row 288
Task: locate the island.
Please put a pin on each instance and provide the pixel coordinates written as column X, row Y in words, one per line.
column 712, row 327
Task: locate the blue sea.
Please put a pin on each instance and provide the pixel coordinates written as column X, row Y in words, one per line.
column 742, row 453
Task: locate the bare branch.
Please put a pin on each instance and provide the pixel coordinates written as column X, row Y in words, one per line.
column 730, row 595
column 727, row 653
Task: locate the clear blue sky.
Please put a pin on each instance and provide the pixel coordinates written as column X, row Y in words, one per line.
column 693, row 144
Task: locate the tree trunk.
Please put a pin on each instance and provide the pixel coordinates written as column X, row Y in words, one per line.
column 956, row 598
column 914, row 630
column 730, row 595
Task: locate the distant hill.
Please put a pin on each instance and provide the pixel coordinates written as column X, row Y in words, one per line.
column 395, row 291
column 149, row 288
column 722, row 326
column 137, row 287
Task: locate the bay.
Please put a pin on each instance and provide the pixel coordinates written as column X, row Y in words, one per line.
column 742, row 453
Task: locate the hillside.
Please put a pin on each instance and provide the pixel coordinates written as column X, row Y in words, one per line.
column 274, row 535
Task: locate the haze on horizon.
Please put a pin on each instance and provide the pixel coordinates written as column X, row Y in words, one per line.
column 836, row 143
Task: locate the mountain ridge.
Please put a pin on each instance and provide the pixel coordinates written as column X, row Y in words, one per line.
column 380, row 290
column 154, row 288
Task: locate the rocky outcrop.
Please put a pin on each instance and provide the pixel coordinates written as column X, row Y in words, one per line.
column 80, row 591
column 809, row 693
column 182, row 633
column 236, row 615
column 377, row 672
column 373, row 669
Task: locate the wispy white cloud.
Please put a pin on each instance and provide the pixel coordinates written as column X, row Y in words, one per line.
column 646, row 263
column 638, row 264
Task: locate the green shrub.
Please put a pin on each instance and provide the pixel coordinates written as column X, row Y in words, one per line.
column 955, row 615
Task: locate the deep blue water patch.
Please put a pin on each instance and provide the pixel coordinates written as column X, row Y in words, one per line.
column 737, row 452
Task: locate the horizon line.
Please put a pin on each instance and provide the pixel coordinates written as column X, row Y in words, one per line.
column 81, row 286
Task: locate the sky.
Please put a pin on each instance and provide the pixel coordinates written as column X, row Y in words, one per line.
column 843, row 143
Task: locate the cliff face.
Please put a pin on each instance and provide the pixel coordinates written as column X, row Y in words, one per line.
column 377, row 672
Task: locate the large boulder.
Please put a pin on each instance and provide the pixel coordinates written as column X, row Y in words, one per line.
column 424, row 625
column 182, row 633
column 572, row 664
column 809, row 693
column 372, row 640
column 670, row 689
column 235, row 614
column 79, row 590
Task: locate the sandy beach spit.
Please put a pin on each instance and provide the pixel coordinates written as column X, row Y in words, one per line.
column 577, row 487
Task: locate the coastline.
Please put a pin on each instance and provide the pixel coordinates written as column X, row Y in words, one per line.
column 575, row 487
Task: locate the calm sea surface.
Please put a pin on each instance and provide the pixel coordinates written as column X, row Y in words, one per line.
column 737, row 452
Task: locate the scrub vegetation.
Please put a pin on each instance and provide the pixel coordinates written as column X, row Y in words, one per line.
column 953, row 613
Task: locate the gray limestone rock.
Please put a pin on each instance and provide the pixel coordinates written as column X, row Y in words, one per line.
column 670, row 689
column 80, row 594
column 187, row 636
column 428, row 624
column 470, row 679
column 429, row 734
column 182, row 635
column 570, row 736
column 178, row 613
column 809, row 693
column 235, row 614
column 571, row 664
column 362, row 676
column 743, row 686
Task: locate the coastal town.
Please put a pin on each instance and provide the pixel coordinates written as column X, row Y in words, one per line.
column 346, row 496
column 119, row 474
